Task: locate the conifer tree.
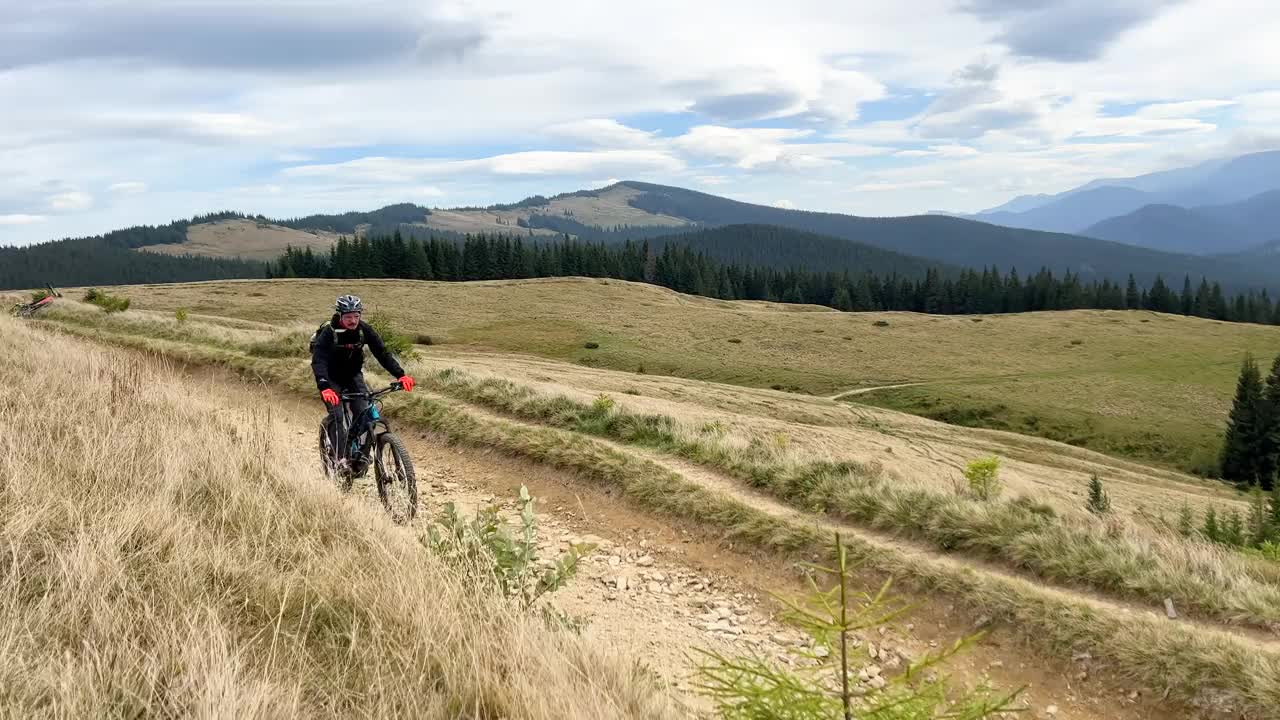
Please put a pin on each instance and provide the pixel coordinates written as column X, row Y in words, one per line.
column 1259, row 524
column 1099, row 503
column 1211, row 531
column 1234, row 532
column 1132, row 300
column 1185, row 523
column 1242, row 443
column 1269, row 428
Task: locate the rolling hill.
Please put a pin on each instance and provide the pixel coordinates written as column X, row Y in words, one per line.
column 633, row 209
column 1205, row 230
column 244, row 238
column 957, row 241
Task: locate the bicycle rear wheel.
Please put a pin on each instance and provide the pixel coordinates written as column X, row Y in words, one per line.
column 397, row 484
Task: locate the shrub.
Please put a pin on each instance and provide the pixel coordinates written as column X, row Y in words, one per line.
column 397, row 344
column 1186, row 525
column 283, row 345
column 602, row 405
column 1077, row 342
column 983, row 476
column 180, row 314
column 735, row 341
column 511, row 563
column 592, row 345
column 38, row 295
column 424, row 339
column 1099, row 503
column 108, row 303
column 881, row 323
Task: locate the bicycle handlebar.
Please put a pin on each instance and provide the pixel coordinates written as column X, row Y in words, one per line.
column 376, row 393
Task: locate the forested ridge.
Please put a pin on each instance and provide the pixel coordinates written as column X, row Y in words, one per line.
column 684, row 268
column 112, row 259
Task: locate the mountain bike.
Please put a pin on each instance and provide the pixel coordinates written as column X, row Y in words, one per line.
column 26, row 310
column 369, row 437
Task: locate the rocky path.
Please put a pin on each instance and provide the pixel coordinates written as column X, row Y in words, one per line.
column 659, row 589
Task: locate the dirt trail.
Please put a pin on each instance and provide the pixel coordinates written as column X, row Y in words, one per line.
column 863, row 391
column 658, row 588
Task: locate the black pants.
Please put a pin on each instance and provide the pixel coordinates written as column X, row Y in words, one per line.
column 337, row 435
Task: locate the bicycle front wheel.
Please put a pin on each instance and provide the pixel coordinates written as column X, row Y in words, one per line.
column 397, row 485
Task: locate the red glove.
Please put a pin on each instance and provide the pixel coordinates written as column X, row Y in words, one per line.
column 329, row 396
column 407, row 382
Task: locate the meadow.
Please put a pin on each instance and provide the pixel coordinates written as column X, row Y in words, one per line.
column 1136, row 384
column 766, row 464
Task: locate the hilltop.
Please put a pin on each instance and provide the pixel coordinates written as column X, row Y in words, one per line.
column 636, row 210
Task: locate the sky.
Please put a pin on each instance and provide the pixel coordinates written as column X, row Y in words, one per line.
column 119, row 112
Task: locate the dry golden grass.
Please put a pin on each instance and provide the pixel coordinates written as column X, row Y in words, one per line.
column 246, row 239
column 167, row 553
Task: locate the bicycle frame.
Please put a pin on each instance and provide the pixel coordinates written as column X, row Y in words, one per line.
column 372, row 414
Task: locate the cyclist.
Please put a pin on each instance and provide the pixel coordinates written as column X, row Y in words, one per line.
column 337, row 360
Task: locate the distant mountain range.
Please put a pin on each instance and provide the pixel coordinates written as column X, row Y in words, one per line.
column 1216, row 207
column 1123, row 244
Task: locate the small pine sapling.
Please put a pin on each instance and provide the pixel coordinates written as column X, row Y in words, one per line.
column 824, row 684
column 1099, row 502
column 1210, row 529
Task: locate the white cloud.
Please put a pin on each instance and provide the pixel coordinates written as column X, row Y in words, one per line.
column 1261, row 108
column 536, row 162
column 892, row 186
column 494, row 99
column 70, row 201
column 1186, row 108
column 132, row 187
column 602, row 132
column 21, row 219
column 748, row 148
column 784, row 204
column 940, row 151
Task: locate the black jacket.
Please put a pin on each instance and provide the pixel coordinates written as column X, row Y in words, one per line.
column 339, row 354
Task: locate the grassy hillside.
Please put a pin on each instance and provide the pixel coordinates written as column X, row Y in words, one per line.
column 1140, row 384
column 776, row 470
column 244, row 238
column 173, row 554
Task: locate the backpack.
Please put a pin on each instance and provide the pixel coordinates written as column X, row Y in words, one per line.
column 315, row 337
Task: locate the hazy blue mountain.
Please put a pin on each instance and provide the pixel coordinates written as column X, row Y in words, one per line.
column 1022, row 203
column 1216, row 182
column 1206, row 230
column 1171, row 228
column 1073, row 212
